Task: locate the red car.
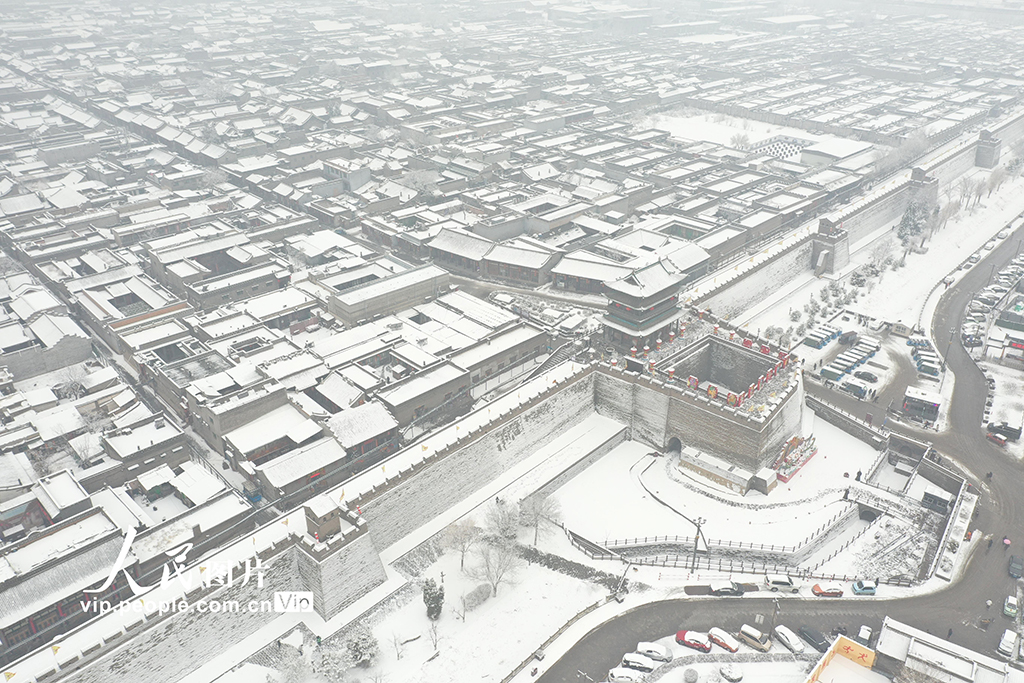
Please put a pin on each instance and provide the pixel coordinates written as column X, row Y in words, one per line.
column 829, row 590
column 996, row 438
column 694, row 639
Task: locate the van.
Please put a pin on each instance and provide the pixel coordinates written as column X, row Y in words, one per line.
column 864, row 636
column 852, row 386
column 1007, row 644
column 631, row 660
column 754, row 638
column 780, row 582
column 658, row 653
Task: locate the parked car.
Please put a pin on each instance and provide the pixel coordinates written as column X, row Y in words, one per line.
column 828, row 590
column 1010, row 606
column 658, row 653
column 864, row 587
column 723, row 640
column 623, row 675
column 1003, row 234
column 754, row 638
column 731, row 673
column 814, row 638
column 1008, row 643
column 777, row 582
column 864, row 636
column 866, row 376
column 989, row 245
column 694, row 639
column 1002, row 428
column 632, row 660
column 997, row 439
column 788, row 639
column 726, row 588
column 1016, row 566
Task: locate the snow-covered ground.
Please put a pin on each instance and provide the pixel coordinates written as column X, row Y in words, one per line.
column 494, row 638
column 721, row 128
column 615, row 498
column 900, row 295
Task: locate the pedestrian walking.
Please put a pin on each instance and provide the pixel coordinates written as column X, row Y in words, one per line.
column 988, row 604
column 950, row 634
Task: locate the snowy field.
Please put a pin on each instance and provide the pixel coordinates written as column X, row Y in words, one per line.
column 720, row 128
column 493, row 639
column 615, row 498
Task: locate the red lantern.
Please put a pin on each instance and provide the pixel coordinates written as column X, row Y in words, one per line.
column 632, row 351
column 657, row 343
column 647, row 350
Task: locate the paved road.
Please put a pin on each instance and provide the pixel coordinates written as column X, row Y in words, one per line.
column 959, row 607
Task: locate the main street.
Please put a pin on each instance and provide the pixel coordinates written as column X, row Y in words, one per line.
column 960, row 606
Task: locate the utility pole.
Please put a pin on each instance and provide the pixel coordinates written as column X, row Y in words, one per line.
column 696, row 539
column 775, row 615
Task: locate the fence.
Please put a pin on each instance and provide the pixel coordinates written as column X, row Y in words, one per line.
column 726, row 544
column 729, row 566
column 526, row 662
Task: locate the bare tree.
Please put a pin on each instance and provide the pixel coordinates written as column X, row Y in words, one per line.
column 964, row 188
column 995, row 179
column 739, row 141
column 399, row 646
column 435, row 637
column 498, row 564
column 979, row 189
column 948, row 210
column 538, row 510
column 462, row 536
column 503, row 520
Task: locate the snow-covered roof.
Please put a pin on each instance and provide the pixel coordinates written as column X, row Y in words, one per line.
column 302, row 462
column 461, row 243
column 356, row 425
column 646, row 281
column 412, row 389
column 284, row 421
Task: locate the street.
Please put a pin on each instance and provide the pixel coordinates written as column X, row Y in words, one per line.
column 959, row 607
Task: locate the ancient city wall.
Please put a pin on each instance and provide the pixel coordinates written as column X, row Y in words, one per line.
column 401, row 509
column 759, row 283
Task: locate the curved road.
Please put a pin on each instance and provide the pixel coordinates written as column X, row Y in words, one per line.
column 959, row 607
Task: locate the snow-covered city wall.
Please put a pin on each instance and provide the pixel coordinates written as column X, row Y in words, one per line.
column 758, row 284
column 183, row 642
column 657, row 412
column 848, row 423
column 400, row 509
column 340, row 578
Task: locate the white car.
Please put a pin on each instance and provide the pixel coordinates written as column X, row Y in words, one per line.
column 789, row 639
column 1002, row 234
column 658, row 653
column 731, row 673
column 989, row 245
column 623, row 675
